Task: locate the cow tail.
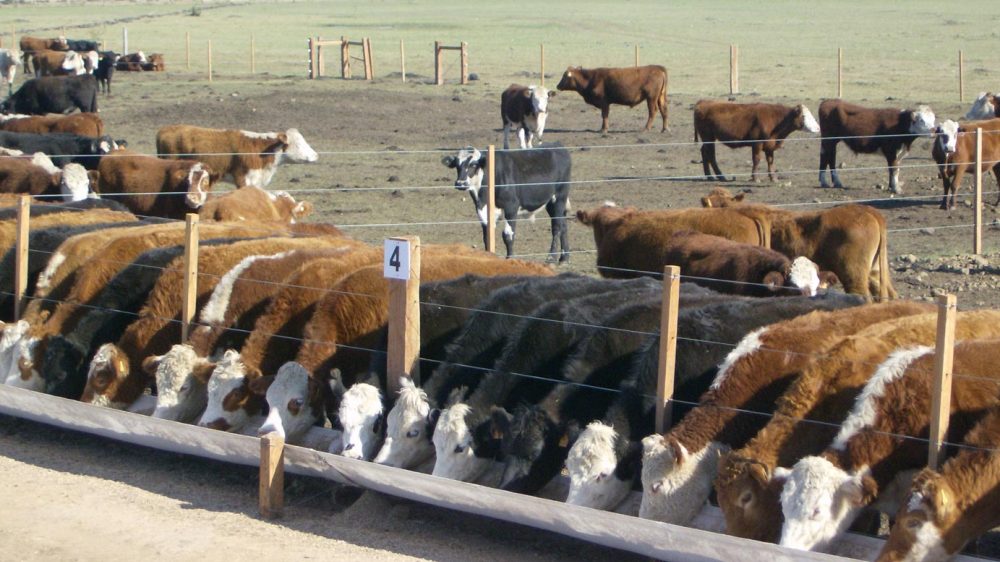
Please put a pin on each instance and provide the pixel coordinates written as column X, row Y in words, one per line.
column 884, row 284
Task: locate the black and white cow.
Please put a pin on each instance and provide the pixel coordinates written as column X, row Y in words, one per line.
column 81, row 45
column 526, row 180
column 62, row 148
column 526, row 109
column 53, row 94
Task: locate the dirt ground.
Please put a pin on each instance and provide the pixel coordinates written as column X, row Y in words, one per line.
column 67, row 496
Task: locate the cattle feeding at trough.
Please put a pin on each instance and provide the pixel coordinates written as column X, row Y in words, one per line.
column 601, row 87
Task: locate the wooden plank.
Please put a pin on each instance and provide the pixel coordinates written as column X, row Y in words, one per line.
column 977, row 240
column 404, row 322
column 734, row 78
column 637, row 55
column 491, row 205
column 190, row 303
column 21, row 257
column 271, row 495
column 668, row 346
column 941, row 398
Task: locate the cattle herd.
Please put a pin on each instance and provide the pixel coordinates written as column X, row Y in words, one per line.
column 795, row 403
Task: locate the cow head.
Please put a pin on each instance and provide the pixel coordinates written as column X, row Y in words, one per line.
column 104, row 145
column 676, row 482
column 409, row 427
column 722, row 197
column 181, row 383
column 801, row 275
column 457, row 435
column 108, row 369
column 749, row 495
column 946, row 136
column 572, row 79
column 985, row 107
column 60, row 43
column 74, row 183
column 296, row 148
column 361, row 417
column 532, row 446
column 294, row 400
column 288, row 208
column 469, row 164
column 90, row 60
column 197, row 184
column 539, row 97
column 230, row 399
column 922, row 120
column 926, row 522
column 592, row 464
column 805, row 120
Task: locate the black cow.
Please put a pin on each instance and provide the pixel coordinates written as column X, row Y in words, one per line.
column 54, row 94
column 62, row 148
column 525, row 180
column 81, row 45
column 106, row 70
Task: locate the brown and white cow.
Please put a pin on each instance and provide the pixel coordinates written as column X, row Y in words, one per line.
column 131, row 62
column 601, row 87
column 152, row 186
column 57, row 63
column 30, row 45
column 954, row 150
column 526, row 109
column 253, row 203
column 249, row 158
column 86, row 124
column 864, row 130
column 26, row 177
column 761, row 126
column 986, row 106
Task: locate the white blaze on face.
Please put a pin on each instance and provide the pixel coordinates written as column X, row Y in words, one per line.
column 179, row 395
column 74, row 184
column 591, row 463
column 360, row 415
column 288, row 402
column 923, row 121
column 298, row 149
column 676, row 488
column 197, row 186
column 228, row 376
column 804, row 275
column 819, row 502
column 809, row 122
column 982, row 108
column 924, row 542
column 947, row 133
column 454, row 457
column 406, row 444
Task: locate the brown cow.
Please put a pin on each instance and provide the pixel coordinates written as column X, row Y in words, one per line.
column 253, row 203
column 954, row 150
column 57, row 63
column 251, row 159
column 152, row 186
column 601, row 87
column 86, row 124
column 29, row 45
column 866, row 131
column 761, row 126
column 155, row 63
column 21, row 176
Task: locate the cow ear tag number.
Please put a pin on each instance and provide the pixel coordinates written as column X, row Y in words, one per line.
column 396, row 259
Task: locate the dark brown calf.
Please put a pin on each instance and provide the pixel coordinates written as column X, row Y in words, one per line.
column 601, row 87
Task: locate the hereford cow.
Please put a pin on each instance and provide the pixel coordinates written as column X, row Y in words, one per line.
column 525, row 181
column 954, row 150
column 253, row 203
column 154, row 187
column 250, row 159
column 30, row 45
column 58, row 63
column 62, row 148
column 866, row 131
column 53, row 94
column 8, row 68
column 986, row 106
column 23, row 177
column 761, row 126
column 131, row 62
column 525, row 108
column 86, row 124
column 601, row 87
column 106, row 70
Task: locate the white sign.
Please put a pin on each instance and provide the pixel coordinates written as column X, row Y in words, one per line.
column 396, row 259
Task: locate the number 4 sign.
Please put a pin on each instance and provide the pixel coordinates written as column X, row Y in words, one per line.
column 396, row 259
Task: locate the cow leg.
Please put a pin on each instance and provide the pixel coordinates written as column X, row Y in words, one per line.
column 506, row 136
column 828, row 159
column 771, row 172
column 715, row 164
column 946, row 182
column 956, row 182
column 557, row 212
column 525, row 142
column 707, row 157
column 756, row 151
column 651, row 108
column 996, row 174
column 509, row 224
column 605, row 111
column 893, row 160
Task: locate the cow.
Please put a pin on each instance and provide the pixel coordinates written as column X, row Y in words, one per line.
column 155, row 63
column 53, row 94
column 524, row 108
column 61, row 148
column 8, row 68
column 954, row 150
column 525, row 181
column 947, row 508
column 761, row 126
column 986, row 106
column 889, row 131
column 131, row 62
column 81, row 45
column 58, row 63
column 679, row 466
column 152, row 186
column 249, row 158
column 23, row 177
column 254, row 203
column 90, row 61
column 105, row 70
column 601, row 87
column 29, row 45
column 86, row 124
column 747, row 488
column 862, row 465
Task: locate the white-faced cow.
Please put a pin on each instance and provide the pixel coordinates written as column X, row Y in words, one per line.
column 761, row 126
column 526, row 180
column 8, row 68
column 866, row 131
column 954, row 151
column 986, row 106
column 524, row 108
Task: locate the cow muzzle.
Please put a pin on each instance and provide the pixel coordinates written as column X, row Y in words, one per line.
column 218, row 424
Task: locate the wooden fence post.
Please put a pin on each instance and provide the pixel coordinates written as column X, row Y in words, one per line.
column 345, row 58
column 977, row 242
column 438, row 78
column 21, row 257
column 253, row 54
column 320, row 60
column 465, row 63
column 734, row 69
column 402, row 268
column 366, row 48
column 190, row 303
column 542, row 84
column 668, row 346
column 271, row 493
column 941, row 397
column 402, row 60
column 312, row 58
column 125, row 40
column 491, row 189
column 187, row 49
column 209, row 60
column 840, row 72
column 961, row 76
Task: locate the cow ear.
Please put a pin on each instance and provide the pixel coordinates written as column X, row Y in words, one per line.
column 760, row 474
column 336, row 383
column 456, row 396
column 552, row 93
column 450, row 161
column 302, row 209
column 483, row 161
column 260, row 385
column 150, row 364
column 774, row 280
column 499, row 422
column 202, row 371
column 527, row 93
column 859, row 491
column 828, row 279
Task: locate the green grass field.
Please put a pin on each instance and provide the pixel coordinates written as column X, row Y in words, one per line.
column 788, row 49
